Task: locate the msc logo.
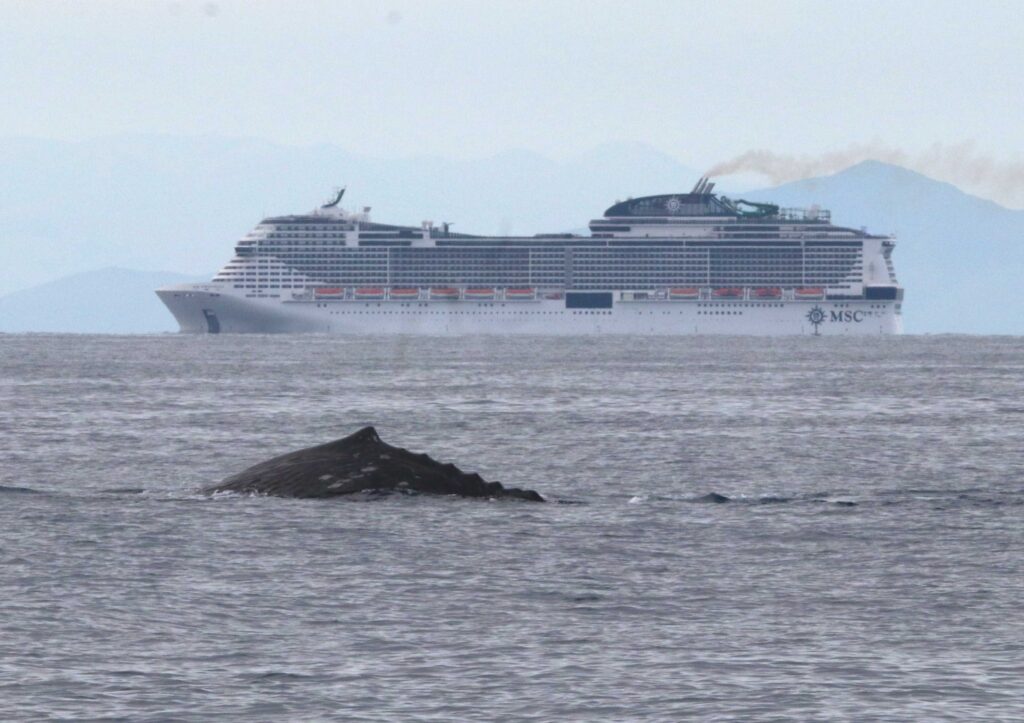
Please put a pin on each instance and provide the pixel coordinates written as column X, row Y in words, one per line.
column 817, row 317
column 848, row 316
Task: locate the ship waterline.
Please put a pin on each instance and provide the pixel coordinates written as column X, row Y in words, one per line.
column 693, row 263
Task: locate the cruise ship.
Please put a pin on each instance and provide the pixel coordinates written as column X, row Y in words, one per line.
column 683, row 263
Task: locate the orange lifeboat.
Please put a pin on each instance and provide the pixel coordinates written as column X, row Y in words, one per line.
column 519, row 294
column 480, row 294
column 768, row 292
column 809, row 292
column 370, row 292
column 686, row 292
column 404, row 294
column 329, row 292
column 728, row 293
column 446, row 293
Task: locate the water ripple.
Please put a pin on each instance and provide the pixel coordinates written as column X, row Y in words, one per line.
column 747, row 529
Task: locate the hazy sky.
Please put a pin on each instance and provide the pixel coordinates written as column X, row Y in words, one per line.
column 703, row 81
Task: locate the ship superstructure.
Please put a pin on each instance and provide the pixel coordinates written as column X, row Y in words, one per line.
column 684, row 263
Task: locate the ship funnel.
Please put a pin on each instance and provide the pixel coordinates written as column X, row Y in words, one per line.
column 698, row 184
column 707, row 188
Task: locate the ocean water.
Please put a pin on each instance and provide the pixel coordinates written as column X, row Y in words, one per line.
column 868, row 565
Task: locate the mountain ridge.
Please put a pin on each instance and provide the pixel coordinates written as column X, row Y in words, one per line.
column 143, row 201
column 109, row 300
column 956, row 254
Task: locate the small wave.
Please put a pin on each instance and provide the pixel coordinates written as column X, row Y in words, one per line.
column 637, row 499
column 4, row 489
column 716, row 498
column 280, row 675
column 952, row 497
column 835, row 502
column 711, row 498
column 327, row 621
column 925, row 491
column 976, row 500
column 773, row 500
column 124, row 491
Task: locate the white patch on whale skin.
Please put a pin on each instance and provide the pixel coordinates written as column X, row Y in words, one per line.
column 385, row 456
column 325, row 477
column 368, row 468
column 335, row 485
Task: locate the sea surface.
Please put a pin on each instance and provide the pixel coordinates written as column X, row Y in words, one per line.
column 868, row 563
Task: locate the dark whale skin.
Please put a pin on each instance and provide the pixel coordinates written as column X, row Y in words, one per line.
column 360, row 462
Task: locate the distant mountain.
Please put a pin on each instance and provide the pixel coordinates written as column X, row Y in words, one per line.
column 181, row 203
column 960, row 257
column 106, row 301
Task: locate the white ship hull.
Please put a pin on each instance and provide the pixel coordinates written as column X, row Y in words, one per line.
column 208, row 308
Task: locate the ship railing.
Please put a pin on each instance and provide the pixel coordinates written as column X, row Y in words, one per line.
column 805, row 214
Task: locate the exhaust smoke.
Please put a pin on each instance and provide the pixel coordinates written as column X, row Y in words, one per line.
column 961, row 164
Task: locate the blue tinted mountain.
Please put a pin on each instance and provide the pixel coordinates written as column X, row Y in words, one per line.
column 181, row 203
column 106, row 301
column 960, row 257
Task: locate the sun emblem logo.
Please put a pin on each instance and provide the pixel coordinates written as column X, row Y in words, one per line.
column 816, row 316
column 673, row 205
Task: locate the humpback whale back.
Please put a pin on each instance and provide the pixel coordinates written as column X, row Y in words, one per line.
column 358, row 463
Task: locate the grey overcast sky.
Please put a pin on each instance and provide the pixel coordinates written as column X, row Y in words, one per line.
column 702, row 81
